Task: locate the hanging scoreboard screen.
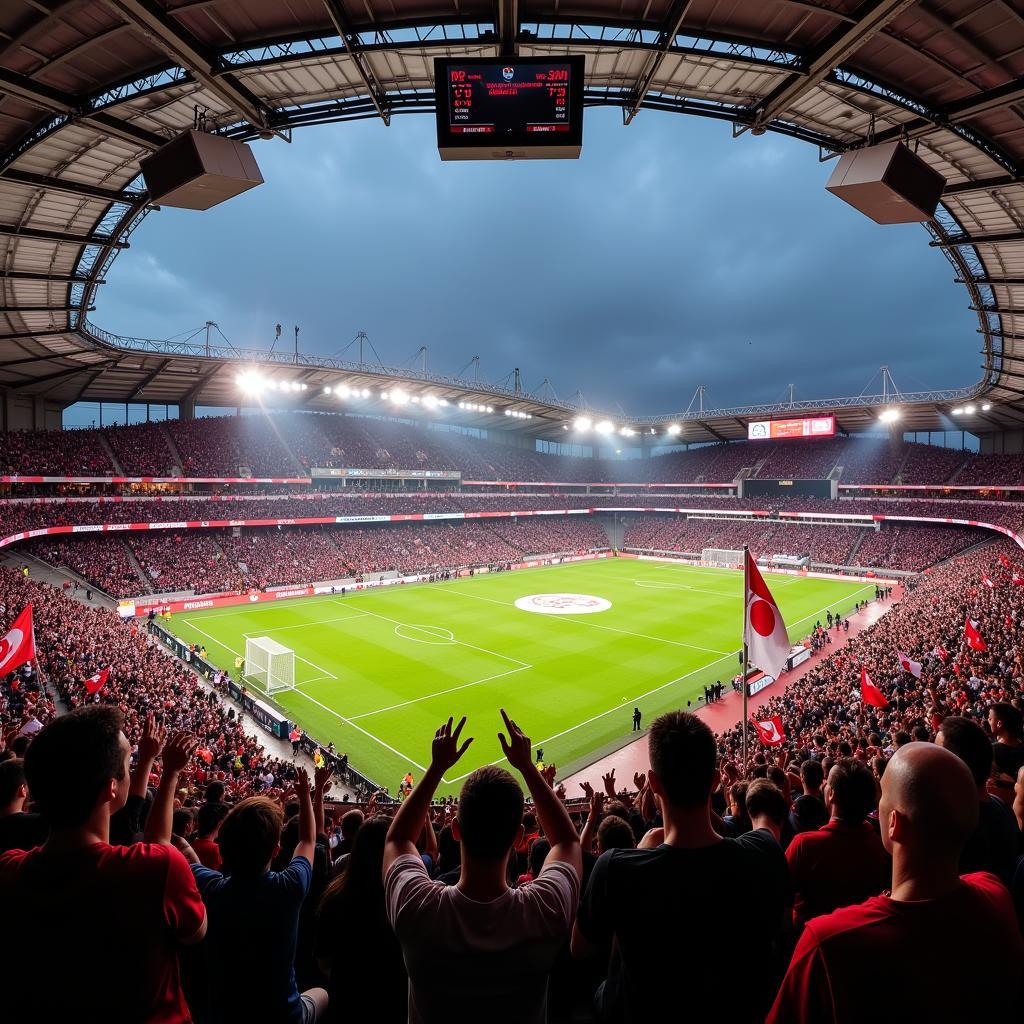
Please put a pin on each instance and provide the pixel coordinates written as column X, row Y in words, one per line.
column 512, row 108
column 812, row 426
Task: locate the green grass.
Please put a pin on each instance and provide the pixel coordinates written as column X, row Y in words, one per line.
column 376, row 671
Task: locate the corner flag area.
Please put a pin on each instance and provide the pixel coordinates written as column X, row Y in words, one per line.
column 568, row 649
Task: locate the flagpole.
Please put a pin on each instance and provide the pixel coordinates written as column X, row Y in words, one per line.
column 743, row 674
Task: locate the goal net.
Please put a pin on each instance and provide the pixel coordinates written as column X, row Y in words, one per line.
column 270, row 664
column 723, row 557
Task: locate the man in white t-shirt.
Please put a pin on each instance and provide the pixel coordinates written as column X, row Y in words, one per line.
column 480, row 950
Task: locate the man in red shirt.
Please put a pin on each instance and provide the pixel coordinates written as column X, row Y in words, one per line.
column 843, row 862
column 940, row 947
column 109, row 918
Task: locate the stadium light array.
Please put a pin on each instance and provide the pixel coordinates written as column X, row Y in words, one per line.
column 627, row 432
column 986, row 407
column 475, row 407
column 674, row 429
column 400, row 397
column 583, row 423
column 889, row 415
column 604, row 427
column 250, row 382
column 517, row 415
column 970, row 410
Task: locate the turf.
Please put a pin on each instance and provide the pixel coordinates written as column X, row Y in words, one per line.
column 377, row 671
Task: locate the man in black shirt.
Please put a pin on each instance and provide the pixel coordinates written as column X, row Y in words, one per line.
column 18, row 830
column 1008, row 749
column 657, row 903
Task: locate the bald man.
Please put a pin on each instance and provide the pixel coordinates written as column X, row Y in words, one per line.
column 939, row 947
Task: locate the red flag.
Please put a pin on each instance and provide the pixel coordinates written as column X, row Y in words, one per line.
column 96, row 683
column 770, row 731
column 1005, row 561
column 973, row 637
column 869, row 693
column 988, row 583
column 909, row 665
column 19, row 645
column 942, row 653
column 764, row 632
column 1017, row 579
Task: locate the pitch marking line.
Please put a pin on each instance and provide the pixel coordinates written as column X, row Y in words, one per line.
column 441, row 693
column 583, row 622
column 302, row 693
column 298, row 625
column 618, row 707
column 238, row 654
column 663, row 585
column 248, row 609
column 461, row 643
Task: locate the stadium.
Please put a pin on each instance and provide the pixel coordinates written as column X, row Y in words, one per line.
column 338, row 688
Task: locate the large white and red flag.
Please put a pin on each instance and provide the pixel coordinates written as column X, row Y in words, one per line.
column 96, row 682
column 764, row 632
column 869, row 693
column 988, row 582
column 973, row 638
column 19, row 645
column 909, row 665
column 770, row 731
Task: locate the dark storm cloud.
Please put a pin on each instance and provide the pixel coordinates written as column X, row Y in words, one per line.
column 671, row 255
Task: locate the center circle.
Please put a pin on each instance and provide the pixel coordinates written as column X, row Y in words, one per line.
column 563, row 604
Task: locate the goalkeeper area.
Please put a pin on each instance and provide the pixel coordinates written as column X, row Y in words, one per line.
column 569, row 650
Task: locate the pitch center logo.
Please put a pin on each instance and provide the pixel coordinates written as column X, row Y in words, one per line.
column 563, row 604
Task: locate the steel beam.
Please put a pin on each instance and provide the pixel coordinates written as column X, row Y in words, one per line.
column 39, row 235
column 70, row 371
column 669, row 30
column 989, row 280
column 149, row 378
column 983, row 185
column 64, row 308
column 69, row 187
column 28, row 275
column 377, row 93
column 994, row 238
column 39, row 95
column 838, row 46
column 156, row 24
column 507, row 22
column 123, row 130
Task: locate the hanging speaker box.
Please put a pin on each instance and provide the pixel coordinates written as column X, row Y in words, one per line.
column 196, row 171
column 888, row 183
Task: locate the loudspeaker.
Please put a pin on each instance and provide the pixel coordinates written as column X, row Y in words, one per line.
column 196, row 171
column 888, row 183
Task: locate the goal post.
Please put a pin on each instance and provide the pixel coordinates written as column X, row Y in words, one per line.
column 269, row 664
column 725, row 558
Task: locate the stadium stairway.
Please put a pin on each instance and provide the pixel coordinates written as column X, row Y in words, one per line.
column 136, row 565
column 176, row 458
column 105, row 445
column 852, row 553
column 55, row 576
column 897, row 477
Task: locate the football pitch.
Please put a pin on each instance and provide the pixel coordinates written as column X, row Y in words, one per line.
column 378, row 670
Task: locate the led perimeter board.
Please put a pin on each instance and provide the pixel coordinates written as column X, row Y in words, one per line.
column 509, row 108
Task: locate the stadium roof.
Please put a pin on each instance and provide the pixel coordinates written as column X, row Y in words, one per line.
column 88, row 87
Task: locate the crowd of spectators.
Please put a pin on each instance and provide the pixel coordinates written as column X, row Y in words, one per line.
column 873, row 844
column 102, row 562
column 293, row 443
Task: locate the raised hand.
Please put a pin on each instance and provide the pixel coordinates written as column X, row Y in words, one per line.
column 560, row 792
column 596, row 802
column 588, row 790
column 445, row 750
column 154, row 735
column 180, row 749
column 322, row 778
column 609, row 783
column 639, row 780
column 548, row 775
column 302, row 784
column 517, row 747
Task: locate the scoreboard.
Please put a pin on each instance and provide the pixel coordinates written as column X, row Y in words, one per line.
column 513, row 108
column 811, row 426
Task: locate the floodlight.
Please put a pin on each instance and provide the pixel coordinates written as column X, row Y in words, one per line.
column 986, row 407
column 604, row 427
column 889, row 415
column 674, row 429
column 399, row 397
column 970, row 410
column 583, row 423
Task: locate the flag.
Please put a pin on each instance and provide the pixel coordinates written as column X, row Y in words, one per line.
column 19, row 645
column 973, row 637
column 1017, row 580
column 941, row 653
column 770, row 731
column 988, row 583
column 1005, row 561
column 96, row 682
column 764, row 632
column 909, row 665
column 869, row 693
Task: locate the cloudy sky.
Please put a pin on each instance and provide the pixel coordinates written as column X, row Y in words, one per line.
column 670, row 255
